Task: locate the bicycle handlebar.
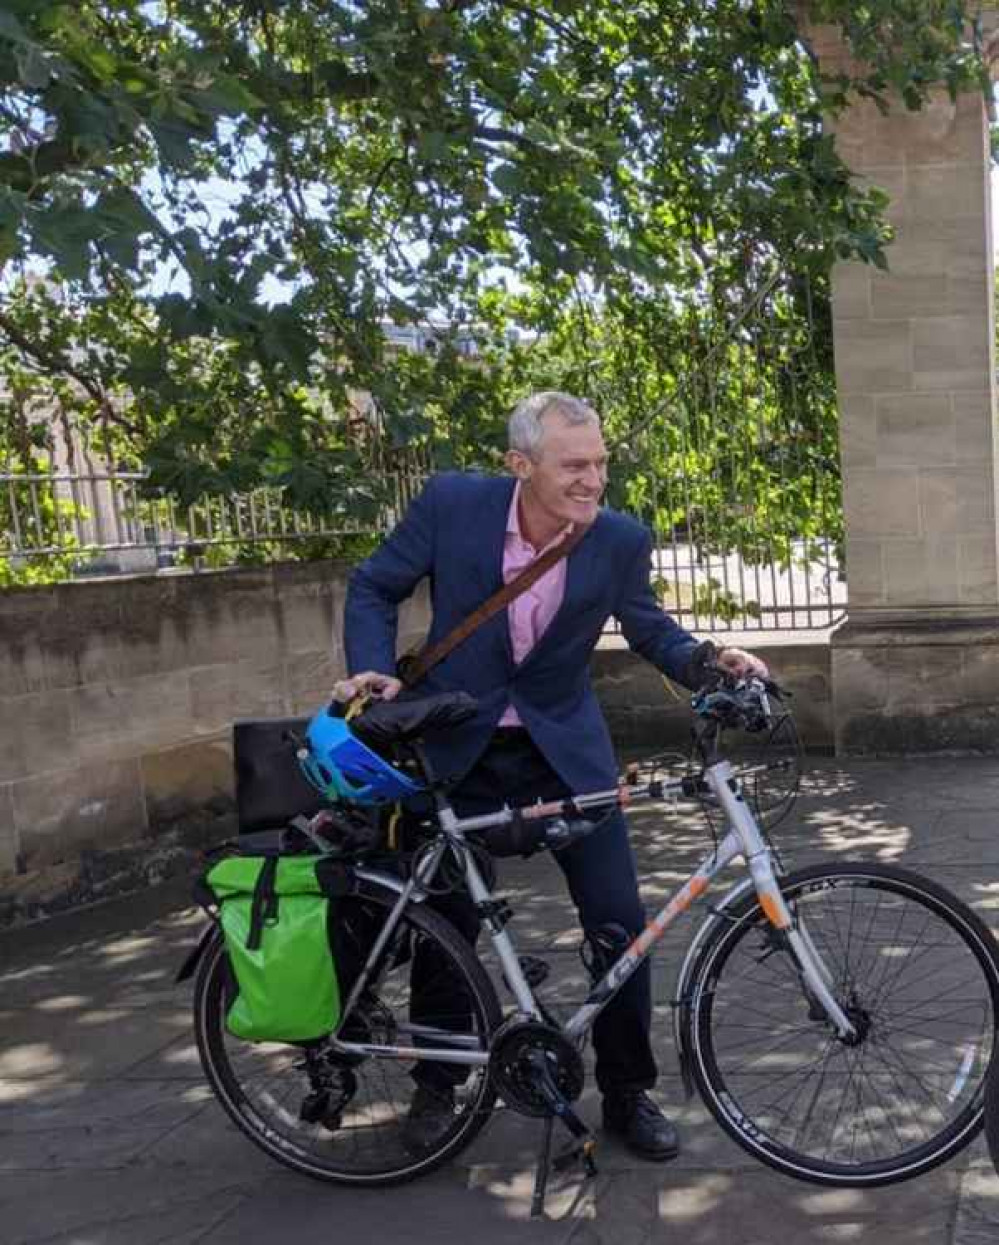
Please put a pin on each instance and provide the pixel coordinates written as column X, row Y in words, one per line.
column 728, row 700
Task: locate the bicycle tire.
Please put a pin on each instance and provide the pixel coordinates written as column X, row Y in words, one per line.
column 366, row 1144
column 992, row 1115
column 917, row 967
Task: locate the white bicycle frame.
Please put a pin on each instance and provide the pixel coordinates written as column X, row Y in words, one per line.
column 743, row 839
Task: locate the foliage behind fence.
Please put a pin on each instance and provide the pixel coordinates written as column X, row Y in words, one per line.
column 720, row 412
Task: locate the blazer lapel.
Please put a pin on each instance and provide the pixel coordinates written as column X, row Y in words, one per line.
column 485, row 536
column 488, row 531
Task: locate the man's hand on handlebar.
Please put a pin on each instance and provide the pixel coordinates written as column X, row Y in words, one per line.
column 741, row 665
column 368, row 682
column 710, row 665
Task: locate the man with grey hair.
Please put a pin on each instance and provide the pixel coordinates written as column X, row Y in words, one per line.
column 538, row 732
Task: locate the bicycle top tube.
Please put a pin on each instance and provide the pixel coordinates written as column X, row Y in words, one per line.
column 622, row 795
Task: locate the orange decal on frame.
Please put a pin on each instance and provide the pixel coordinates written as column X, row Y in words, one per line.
column 695, row 887
column 773, row 912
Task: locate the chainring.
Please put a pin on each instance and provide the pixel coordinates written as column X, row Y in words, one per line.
column 513, row 1075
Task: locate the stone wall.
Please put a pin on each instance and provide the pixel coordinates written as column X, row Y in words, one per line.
column 116, row 704
column 117, row 699
column 916, row 665
column 913, row 352
column 643, row 713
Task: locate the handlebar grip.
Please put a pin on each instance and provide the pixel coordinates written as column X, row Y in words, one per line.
column 700, row 665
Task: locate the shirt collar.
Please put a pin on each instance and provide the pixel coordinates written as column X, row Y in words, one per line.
column 513, row 523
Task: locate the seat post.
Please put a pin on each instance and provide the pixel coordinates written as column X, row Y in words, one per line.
column 424, row 763
column 437, row 787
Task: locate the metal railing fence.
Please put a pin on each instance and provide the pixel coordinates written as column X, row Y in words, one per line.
column 82, row 523
column 85, row 524
column 734, row 468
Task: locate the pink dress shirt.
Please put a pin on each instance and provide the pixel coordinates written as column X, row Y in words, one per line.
column 532, row 612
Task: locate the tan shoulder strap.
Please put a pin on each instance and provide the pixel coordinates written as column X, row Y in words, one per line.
column 412, row 667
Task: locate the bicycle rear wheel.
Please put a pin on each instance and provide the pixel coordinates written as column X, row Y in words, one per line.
column 992, row 1115
column 918, row 974
column 344, row 1118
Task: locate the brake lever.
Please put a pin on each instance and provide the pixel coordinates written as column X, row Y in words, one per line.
column 774, row 689
column 725, row 679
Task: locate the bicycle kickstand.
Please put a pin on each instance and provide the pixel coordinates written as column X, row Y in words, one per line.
column 543, row 1168
column 583, row 1151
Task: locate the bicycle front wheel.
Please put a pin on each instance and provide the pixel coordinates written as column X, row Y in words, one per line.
column 347, row 1118
column 918, row 974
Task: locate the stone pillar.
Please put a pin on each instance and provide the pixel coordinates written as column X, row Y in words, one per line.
column 916, row 665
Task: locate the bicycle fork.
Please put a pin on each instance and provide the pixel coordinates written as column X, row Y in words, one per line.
column 816, row 979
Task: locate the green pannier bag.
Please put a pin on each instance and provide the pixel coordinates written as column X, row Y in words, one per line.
column 275, row 921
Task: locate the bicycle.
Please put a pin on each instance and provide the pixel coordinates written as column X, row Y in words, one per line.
column 838, row 1021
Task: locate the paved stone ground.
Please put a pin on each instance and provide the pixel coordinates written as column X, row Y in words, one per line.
column 108, row 1135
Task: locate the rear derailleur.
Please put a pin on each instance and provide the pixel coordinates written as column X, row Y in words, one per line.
column 333, row 1084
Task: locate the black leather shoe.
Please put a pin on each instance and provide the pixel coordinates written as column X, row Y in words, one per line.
column 643, row 1128
column 431, row 1114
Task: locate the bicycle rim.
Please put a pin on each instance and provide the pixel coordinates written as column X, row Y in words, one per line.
column 361, row 1134
column 918, row 974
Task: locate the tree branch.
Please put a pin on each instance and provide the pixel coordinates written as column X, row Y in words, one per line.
column 55, row 362
column 547, row 20
column 380, row 177
column 497, row 134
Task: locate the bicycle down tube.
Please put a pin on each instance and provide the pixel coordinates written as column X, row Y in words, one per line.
column 743, row 839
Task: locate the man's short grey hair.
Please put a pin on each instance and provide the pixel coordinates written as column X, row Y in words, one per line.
column 525, row 428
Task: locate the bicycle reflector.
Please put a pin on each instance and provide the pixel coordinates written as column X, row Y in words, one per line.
column 341, row 767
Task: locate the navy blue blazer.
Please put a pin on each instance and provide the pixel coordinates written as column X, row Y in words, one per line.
column 453, row 533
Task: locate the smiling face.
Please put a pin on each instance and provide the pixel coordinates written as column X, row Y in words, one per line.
column 564, row 479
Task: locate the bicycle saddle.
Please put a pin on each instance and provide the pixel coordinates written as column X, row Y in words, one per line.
column 389, row 722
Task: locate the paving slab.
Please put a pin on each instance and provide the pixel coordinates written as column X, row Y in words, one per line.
column 977, row 1220
column 128, row 1206
column 109, row 1135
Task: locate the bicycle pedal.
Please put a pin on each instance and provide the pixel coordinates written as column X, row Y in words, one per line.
column 535, row 970
column 584, row 1153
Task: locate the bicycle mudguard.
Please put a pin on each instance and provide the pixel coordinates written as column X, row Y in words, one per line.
column 194, row 955
column 681, row 998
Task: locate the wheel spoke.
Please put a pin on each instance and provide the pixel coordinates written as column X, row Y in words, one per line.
column 363, row 1138
column 920, row 989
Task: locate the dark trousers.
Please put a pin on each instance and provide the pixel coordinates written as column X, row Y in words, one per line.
column 600, row 872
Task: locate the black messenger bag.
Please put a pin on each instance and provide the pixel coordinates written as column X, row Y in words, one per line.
column 271, row 789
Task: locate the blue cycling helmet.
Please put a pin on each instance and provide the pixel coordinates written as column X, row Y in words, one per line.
column 341, row 767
